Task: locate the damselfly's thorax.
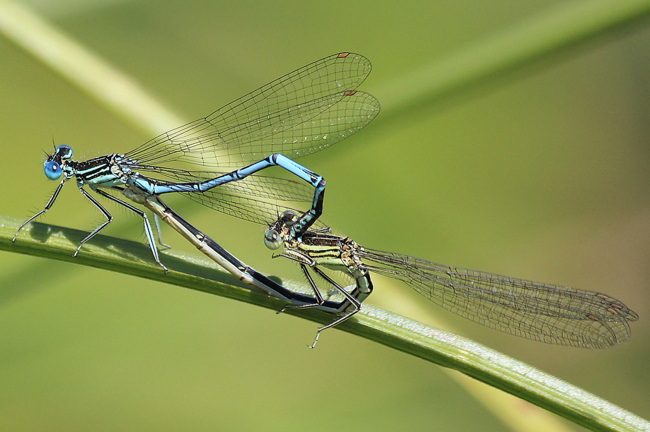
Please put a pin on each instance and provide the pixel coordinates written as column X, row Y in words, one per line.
column 317, row 246
column 324, row 246
column 103, row 171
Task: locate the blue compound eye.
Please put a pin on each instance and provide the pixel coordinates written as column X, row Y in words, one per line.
column 52, row 170
column 64, row 151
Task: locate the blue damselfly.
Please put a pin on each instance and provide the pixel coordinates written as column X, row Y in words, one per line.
column 300, row 113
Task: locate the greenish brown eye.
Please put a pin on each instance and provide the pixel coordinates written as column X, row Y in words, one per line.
column 272, row 239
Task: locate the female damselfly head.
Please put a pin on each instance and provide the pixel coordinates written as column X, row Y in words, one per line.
column 52, row 166
column 274, row 236
column 273, row 239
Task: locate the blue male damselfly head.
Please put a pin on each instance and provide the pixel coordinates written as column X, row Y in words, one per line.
column 52, row 166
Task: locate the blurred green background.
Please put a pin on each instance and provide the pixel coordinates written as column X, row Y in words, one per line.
column 541, row 175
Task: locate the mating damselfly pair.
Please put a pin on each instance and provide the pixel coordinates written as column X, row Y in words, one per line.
column 301, row 113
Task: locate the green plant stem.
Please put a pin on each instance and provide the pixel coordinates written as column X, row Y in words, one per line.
column 437, row 346
column 95, row 76
column 564, row 26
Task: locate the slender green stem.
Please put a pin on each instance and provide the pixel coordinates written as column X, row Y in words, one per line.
column 565, row 26
column 98, row 78
column 437, row 346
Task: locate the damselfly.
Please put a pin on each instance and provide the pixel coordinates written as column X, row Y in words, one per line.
column 546, row 313
column 300, row 113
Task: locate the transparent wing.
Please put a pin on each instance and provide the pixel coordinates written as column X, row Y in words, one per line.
column 300, row 113
column 546, row 313
column 260, row 211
